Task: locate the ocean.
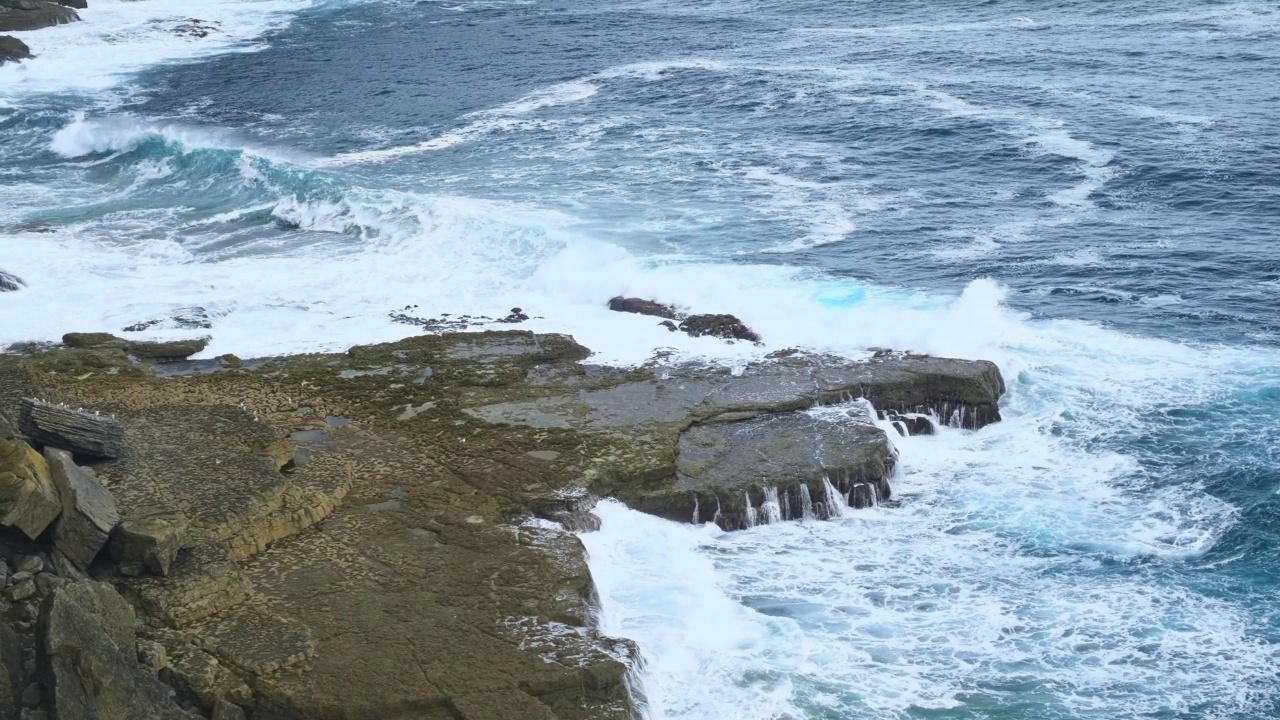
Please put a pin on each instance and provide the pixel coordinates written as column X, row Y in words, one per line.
column 1086, row 194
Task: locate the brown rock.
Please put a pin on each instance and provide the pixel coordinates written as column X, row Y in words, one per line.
column 641, row 306
column 93, row 340
column 12, row 49
column 728, row 327
column 28, row 499
column 166, row 351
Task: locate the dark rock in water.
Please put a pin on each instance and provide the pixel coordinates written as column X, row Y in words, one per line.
column 669, row 324
column 77, row 4
column 173, row 350
column 8, row 281
column 89, row 512
column 515, row 316
column 910, row 423
column 151, row 536
column 87, row 658
column 774, row 467
column 191, row 27
column 640, row 306
column 11, row 49
column 93, row 340
column 80, row 432
column 190, row 318
column 28, row 498
column 728, row 327
column 20, row 15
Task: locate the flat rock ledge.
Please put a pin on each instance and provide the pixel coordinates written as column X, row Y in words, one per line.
column 352, row 536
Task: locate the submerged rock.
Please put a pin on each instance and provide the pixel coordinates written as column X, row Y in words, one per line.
column 642, row 307
column 20, row 15
column 83, row 433
column 12, row 48
column 727, row 327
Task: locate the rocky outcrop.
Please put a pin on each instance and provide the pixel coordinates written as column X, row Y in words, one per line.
column 20, row 15
column 89, row 512
column 725, row 327
column 358, row 527
column 28, row 498
column 155, row 351
column 12, row 48
column 643, row 307
column 88, row 434
column 88, row 658
column 772, row 467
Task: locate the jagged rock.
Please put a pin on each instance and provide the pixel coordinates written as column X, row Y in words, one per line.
column 151, row 536
column 77, row 4
column 63, row 566
column 48, row 582
column 640, row 306
column 20, row 590
column 12, row 49
column 28, row 498
column 910, row 423
column 728, row 327
column 163, row 351
column 81, row 432
column 153, row 655
column 28, row 563
column 20, row 15
column 86, row 648
column 93, row 340
column 89, row 512
column 204, row 581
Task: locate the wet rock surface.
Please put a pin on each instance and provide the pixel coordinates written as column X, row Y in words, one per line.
column 90, row 434
column 347, row 535
column 723, row 326
column 20, row 15
column 11, row 48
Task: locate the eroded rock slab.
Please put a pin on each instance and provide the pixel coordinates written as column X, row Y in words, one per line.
column 89, row 512
column 20, row 15
column 84, row 433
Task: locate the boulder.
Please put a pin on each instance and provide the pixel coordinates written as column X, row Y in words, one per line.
column 89, row 512
column 28, row 498
column 641, row 306
column 151, row 536
column 93, row 340
column 83, row 433
column 11, row 48
column 728, row 327
column 164, row 351
column 20, row 15
column 87, row 658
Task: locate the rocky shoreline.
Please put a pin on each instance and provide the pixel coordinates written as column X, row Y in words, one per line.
column 389, row 532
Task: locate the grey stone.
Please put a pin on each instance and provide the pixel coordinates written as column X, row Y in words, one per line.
column 151, row 536
column 48, row 582
column 29, row 563
column 11, row 50
column 11, row 672
column 21, row 590
column 89, row 512
column 88, row 658
column 32, row 696
column 20, row 576
column 83, row 433
column 224, row 710
column 63, row 566
column 173, row 350
column 21, row 15
column 153, row 655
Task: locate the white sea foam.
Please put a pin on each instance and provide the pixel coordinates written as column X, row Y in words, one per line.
column 124, row 133
column 118, row 37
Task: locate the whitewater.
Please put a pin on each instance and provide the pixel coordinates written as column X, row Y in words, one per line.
column 1085, row 196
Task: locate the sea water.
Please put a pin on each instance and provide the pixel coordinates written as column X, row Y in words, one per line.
column 1086, row 195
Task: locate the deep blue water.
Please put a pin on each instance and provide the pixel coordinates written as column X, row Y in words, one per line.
column 1089, row 195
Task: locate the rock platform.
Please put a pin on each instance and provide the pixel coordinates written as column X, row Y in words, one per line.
column 388, row 533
